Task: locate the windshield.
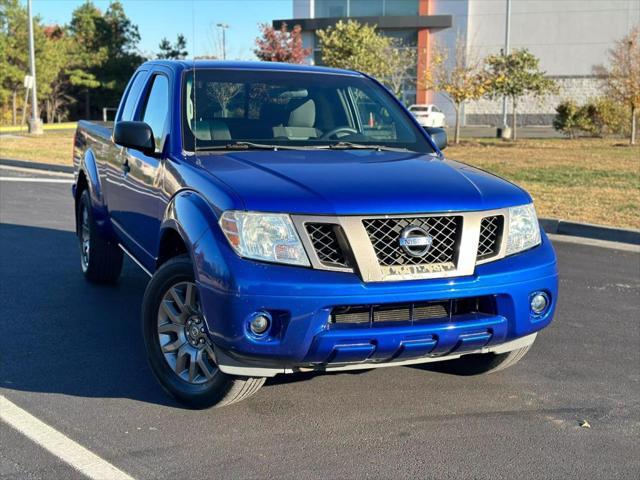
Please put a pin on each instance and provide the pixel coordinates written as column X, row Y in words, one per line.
column 258, row 109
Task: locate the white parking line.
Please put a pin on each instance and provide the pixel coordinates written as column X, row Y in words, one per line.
column 74, row 454
column 35, row 180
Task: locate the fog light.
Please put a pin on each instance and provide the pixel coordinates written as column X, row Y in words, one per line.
column 260, row 324
column 539, row 303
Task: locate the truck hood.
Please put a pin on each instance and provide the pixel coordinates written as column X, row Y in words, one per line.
column 358, row 182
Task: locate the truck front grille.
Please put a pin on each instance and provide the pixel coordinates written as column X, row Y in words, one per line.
column 490, row 237
column 324, row 237
column 409, row 313
column 381, row 248
column 384, row 234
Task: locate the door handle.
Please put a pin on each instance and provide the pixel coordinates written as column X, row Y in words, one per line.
column 125, row 166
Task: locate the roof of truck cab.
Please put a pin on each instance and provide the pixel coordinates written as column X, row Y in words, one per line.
column 180, row 65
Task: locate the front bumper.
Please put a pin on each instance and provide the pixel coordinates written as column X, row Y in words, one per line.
column 300, row 302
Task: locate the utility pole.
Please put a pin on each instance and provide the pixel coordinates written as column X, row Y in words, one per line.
column 506, row 131
column 223, row 27
column 35, row 124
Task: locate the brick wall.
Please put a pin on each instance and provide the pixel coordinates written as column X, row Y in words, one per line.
column 534, row 111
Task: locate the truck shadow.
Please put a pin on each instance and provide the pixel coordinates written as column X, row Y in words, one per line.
column 63, row 335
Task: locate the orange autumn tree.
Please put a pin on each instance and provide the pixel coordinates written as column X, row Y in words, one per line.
column 460, row 78
column 281, row 45
column 622, row 77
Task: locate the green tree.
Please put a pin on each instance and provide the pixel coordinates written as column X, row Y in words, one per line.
column 54, row 82
column 106, row 47
column 95, row 53
column 515, row 75
column 51, row 58
column 121, row 37
column 622, row 77
column 13, row 54
column 459, row 78
column 173, row 51
column 355, row 46
column 88, row 50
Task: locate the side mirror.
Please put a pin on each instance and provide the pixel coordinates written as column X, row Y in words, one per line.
column 438, row 135
column 136, row 135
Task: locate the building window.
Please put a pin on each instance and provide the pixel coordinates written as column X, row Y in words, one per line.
column 331, row 8
column 401, row 7
column 365, row 8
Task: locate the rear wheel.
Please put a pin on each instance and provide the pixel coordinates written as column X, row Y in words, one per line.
column 179, row 350
column 100, row 259
column 481, row 364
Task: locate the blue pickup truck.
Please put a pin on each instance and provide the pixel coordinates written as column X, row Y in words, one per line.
column 297, row 218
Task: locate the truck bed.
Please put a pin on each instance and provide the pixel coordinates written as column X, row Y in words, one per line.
column 92, row 135
column 95, row 127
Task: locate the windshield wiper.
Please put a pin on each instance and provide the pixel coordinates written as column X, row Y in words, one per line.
column 361, row 146
column 245, row 146
column 241, row 145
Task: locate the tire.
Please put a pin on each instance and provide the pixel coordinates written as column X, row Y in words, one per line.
column 481, row 364
column 181, row 357
column 100, row 259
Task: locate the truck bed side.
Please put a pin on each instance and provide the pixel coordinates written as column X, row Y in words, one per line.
column 92, row 150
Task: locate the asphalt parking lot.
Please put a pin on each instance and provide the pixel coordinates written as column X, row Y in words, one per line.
column 71, row 355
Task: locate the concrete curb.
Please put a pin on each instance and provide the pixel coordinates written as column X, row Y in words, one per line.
column 589, row 230
column 36, row 165
column 550, row 225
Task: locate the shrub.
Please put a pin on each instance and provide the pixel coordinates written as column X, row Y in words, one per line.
column 599, row 117
column 570, row 118
column 608, row 117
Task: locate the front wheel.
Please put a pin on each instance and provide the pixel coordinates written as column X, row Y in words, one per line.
column 481, row 364
column 179, row 350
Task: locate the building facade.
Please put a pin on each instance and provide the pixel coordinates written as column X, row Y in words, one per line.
column 408, row 21
column 568, row 36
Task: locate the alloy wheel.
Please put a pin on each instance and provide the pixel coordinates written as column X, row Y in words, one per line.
column 182, row 334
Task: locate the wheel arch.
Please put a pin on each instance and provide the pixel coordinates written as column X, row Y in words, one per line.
column 89, row 179
column 82, row 184
column 89, row 169
column 171, row 245
column 190, row 225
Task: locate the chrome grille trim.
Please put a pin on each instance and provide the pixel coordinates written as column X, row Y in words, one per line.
column 385, row 232
column 366, row 263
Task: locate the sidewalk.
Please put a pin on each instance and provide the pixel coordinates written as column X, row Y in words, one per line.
column 480, row 131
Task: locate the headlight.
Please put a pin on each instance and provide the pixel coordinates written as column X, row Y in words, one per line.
column 270, row 237
column 524, row 230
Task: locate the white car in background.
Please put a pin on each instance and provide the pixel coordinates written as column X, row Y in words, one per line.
column 428, row 115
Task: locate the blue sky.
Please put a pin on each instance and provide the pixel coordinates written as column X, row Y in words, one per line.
column 196, row 19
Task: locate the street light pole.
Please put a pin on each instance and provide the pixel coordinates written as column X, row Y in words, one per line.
column 224, row 27
column 35, row 124
column 505, row 127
